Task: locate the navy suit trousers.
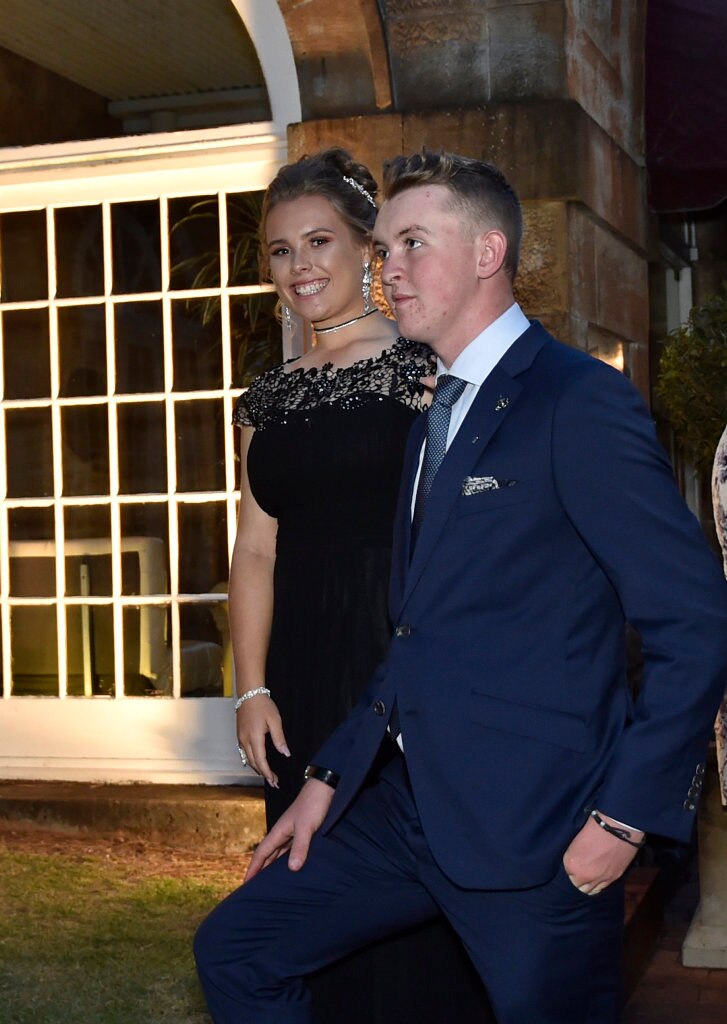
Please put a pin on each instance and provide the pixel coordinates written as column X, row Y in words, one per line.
column 547, row 955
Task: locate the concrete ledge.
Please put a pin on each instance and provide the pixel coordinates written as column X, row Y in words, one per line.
column 217, row 819
column 705, row 945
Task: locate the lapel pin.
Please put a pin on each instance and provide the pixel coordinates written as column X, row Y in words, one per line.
column 475, row 439
column 501, row 403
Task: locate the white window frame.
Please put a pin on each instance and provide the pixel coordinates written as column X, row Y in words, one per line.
column 127, row 738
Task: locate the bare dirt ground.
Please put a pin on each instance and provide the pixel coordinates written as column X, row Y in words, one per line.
column 126, row 852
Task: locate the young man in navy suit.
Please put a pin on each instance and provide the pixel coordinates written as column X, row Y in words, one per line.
column 537, row 515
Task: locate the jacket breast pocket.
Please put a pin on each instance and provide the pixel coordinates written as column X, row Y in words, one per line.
column 547, row 725
column 485, row 501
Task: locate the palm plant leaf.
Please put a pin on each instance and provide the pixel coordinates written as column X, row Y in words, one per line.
column 254, row 326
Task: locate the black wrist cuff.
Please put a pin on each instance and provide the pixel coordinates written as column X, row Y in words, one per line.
column 314, row 771
column 621, row 833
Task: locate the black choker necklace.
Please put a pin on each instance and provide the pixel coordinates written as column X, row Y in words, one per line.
column 339, row 327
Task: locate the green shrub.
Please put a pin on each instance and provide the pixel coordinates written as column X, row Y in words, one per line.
column 691, row 386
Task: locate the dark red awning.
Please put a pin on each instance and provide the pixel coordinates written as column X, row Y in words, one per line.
column 686, row 103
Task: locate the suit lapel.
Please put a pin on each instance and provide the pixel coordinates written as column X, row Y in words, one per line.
column 494, row 402
column 402, row 521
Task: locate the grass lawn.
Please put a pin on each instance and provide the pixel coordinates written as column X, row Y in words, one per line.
column 89, row 939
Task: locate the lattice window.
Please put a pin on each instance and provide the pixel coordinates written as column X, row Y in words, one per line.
column 125, row 337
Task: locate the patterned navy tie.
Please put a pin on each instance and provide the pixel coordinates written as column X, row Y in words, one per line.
column 446, row 393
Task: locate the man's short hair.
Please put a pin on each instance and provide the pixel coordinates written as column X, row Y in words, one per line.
column 480, row 191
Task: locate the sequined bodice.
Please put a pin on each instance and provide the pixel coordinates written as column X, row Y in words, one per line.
column 396, row 373
column 325, row 459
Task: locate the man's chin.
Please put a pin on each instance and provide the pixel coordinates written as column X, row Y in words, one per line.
column 408, row 325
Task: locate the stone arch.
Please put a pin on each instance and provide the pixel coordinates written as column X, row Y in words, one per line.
column 341, row 56
column 267, row 29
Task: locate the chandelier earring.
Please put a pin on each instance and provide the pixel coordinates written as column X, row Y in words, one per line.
column 366, row 288
column 287, row 319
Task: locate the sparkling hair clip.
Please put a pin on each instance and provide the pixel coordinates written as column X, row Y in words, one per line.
column 359, row 188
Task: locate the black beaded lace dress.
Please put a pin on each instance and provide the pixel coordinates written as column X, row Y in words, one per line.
column 325, row 461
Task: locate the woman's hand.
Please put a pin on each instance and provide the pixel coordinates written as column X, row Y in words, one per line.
column 255, row 719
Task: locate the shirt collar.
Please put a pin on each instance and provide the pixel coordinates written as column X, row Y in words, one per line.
column 475, row 362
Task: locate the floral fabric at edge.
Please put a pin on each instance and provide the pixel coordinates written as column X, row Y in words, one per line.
column 719, row 498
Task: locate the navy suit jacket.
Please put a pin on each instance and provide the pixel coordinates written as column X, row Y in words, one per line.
column 507, row 663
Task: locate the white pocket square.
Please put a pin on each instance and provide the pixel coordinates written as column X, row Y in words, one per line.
column 478, row 484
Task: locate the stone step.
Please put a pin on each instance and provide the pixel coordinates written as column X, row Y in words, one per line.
column 216, row 819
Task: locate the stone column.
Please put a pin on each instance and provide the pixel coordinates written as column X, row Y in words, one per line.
column 551, row 92
column 584, row 268
column 705, row 944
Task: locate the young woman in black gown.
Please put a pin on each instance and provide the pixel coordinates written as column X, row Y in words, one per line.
column 322, row 443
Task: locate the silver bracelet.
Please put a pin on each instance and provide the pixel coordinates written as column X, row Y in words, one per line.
column 248, row 694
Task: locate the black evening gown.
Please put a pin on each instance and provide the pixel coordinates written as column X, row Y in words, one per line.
column 325, row 461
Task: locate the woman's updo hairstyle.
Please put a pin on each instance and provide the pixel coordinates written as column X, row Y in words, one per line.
column 324, row 174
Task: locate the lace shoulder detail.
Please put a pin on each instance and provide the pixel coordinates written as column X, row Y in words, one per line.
column 251, row 404
column 396, row 373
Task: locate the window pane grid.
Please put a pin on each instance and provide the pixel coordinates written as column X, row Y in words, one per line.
column 232, row 394
column 4, row 578
column 85, row 395
column 114, row 475
column 171, row 451
column 119, row 299
column 57, row 442
column 72, row 501
column 126, row 600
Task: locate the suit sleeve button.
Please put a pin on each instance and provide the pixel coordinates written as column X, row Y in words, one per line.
column 689, row 805
column 379, row 707
column 700, row 769
column 403, row 630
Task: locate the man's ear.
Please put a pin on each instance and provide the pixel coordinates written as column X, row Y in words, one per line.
column 491, row 253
